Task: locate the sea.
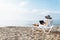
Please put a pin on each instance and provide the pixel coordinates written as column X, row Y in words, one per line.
column 24, row 22
column 29, row 23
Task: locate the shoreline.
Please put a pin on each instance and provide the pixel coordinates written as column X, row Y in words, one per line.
column 27, row 26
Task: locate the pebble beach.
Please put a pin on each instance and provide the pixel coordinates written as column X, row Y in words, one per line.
column 27, row 33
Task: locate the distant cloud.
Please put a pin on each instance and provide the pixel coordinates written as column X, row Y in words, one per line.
column 23, row 4
column 17, row 11
column 55, row 11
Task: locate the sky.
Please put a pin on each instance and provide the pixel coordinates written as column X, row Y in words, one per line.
column 16, row 12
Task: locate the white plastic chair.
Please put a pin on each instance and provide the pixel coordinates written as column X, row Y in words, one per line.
column 50, row 28
column 45, row 33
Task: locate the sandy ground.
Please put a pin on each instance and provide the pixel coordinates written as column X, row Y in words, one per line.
column 27, row 33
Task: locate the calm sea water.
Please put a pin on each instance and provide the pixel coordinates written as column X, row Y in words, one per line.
column 29, row 23
column 23, row 23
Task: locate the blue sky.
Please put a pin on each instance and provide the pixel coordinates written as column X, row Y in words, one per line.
column 15, row 12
